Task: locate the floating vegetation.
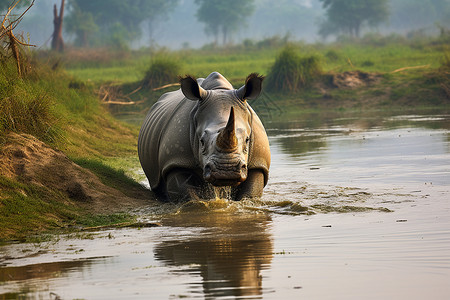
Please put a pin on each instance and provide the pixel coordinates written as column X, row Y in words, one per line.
column 324, row 208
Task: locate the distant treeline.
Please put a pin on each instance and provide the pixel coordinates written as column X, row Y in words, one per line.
column 193, row 23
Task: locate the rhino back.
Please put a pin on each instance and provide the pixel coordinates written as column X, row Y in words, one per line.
column 164, row 138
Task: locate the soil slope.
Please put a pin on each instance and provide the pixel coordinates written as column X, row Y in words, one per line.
column 28, row 160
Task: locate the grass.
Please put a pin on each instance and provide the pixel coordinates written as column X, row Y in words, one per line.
column 197, row 63
column 66, row 114
column 111, row 176
column 418, row 59
column 291, row 72
column 239, row 63
column 91, row 220
column 26, row 209
column 163, row 69
column 26, row 108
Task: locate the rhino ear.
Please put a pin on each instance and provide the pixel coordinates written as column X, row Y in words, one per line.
column 252, row 87
column 191, row 89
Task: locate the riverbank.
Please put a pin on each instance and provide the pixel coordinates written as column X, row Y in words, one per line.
column 61, row 162
column 65, row 160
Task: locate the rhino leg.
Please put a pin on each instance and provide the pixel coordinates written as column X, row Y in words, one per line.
column 252, row 187
column 161, row 193
column 182, row 184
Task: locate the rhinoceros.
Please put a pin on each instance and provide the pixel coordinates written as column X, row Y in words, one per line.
column 203, row 135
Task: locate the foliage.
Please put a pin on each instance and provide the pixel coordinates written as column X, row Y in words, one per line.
column 223, row 17
column 348, row 16
column 292, row 72
column 22, row 107
column 297, row 18
column 163, row 70
column 113, row 22
column 82, row 25
column 416, row 14
column 5, row 4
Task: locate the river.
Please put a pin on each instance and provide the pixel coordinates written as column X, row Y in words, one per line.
column 357, row 207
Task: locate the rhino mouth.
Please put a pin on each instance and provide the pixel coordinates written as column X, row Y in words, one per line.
column 225, row 173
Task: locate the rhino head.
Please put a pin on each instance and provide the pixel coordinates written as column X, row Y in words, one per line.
column 221, row 129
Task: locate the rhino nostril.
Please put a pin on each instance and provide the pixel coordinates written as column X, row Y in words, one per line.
column 244, row 167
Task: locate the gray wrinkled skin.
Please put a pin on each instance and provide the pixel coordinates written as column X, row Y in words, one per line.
column 205, row 135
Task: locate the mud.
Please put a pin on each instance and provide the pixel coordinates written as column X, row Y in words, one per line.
column 31, row 161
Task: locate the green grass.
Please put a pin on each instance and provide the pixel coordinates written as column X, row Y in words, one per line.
column 26, row 209
column 91, row 220
column 65, row 113
column 196, row 63
column 26, row 107
column 383, row 59
column 164, row 69
column 112, row 176
column 292, row 72
column 238, row 63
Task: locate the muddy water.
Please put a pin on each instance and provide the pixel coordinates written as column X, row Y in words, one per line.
column 357, row 207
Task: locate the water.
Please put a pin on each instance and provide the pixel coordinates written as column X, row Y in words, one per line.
column 357, row 207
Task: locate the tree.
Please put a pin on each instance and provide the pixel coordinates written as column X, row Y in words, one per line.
column 57, row 39
column 290, row 17
column 5, row 4
column 415, row 14
column 113, row 20
column 82, row 25
column 223, row 17
column 349, row 16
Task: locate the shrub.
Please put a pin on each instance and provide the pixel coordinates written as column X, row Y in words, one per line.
column 292, row 72
column 367, row 63
column 332, row 55
column 163, row 70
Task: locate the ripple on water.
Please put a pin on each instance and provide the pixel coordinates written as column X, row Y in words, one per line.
column 284, row 198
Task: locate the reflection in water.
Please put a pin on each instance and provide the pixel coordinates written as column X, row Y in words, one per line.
column 300, row 144
column 31, row 278
column 229, row 254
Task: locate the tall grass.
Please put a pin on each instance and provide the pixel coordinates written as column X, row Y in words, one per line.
column 25, row 108
column 292, row 72
column 164, row 69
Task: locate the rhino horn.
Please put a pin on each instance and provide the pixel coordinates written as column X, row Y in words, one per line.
column 227, row 140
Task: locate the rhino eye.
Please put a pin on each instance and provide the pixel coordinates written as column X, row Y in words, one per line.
column 247, row 140
column 202, row 142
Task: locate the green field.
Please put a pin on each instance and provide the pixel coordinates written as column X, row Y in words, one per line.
column 410, row 72
column 238, row 63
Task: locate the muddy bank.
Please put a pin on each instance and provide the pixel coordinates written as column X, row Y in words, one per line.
column 30, row 162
